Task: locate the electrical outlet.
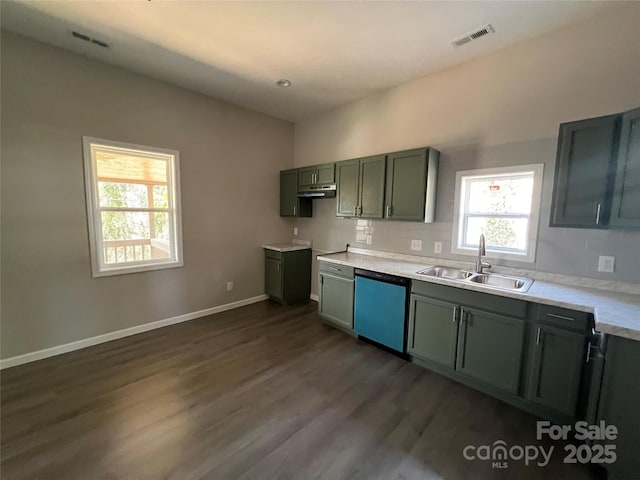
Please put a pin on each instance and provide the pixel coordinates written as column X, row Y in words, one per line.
column 369, row 239
column 295, row 231
column 416, row 245
column 437, row 247
column 606, row 264
column 229, row 286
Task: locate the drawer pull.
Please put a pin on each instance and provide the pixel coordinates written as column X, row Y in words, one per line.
column 538, row 336
column 334, row 268
column 561, row 317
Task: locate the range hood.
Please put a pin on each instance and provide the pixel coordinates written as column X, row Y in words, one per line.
column 317, row 191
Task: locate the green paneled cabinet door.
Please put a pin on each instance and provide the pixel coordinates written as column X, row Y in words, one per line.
column 273, row 284
column 556, row 366
column 336, row 299
column 406, row 185
column 325, row 174
column 347, row 178
column 433, row 330
column 372, row 180
column 490, row 348
column 625, row 210
column 306, row 176
column 583, row 180
column 290, row 204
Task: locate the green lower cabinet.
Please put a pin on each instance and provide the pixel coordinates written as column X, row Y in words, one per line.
column 335, row 299
column 490, row 348
column 287, row 275
column 273, row 277
column 433, row 330
column 557, row 361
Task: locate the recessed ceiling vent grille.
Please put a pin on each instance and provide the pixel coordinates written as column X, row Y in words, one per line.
column 481, row 32
column 87, row 38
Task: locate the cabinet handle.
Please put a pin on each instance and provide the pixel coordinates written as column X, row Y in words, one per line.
column 561, row 317
column 455, row 314
column 538, row 336
column 388, row 211
column 334, row 268
column 598, row 208
column 588, row 352
column 294, row 209
column 359, row 210
column 315, row 178
column 278, row 264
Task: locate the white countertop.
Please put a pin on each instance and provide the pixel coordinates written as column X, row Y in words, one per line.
column 615, row 313
column 286, row 247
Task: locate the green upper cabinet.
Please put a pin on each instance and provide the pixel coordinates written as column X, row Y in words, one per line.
column 411, row 178
column 360, row 185
column 347, row 180
column 372, row 175
column 290, row 204
column 316, row 175
column 556, row 368
column 625, row 211
column 490, row 348
column 583, row 180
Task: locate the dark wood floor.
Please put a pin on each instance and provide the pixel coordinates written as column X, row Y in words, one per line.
column 263, row 391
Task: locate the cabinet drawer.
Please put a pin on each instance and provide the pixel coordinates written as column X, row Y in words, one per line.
column 335, row 269
column 272, row 254
column 564, row 318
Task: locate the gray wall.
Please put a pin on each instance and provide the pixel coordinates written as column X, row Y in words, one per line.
column 501, row 109
column 230, row 158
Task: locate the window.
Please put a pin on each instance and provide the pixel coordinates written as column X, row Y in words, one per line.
column 133, row 207
column 501, row 203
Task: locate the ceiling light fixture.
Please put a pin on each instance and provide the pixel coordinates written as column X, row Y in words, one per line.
column 283, row 82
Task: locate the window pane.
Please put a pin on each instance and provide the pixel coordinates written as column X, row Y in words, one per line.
column 500, row 233
column 160, row 196
column 122, row 195
column 500, row 195
column 125, row 225
column 161, row 222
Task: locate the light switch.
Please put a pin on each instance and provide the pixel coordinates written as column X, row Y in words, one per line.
column 416, row 245
column 437, row 247
column 606, row 264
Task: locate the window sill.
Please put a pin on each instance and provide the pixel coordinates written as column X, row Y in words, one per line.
column 124, row 270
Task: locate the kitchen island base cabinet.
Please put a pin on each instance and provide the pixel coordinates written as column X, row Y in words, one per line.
column 287, row 275
column 556, row 367
column 335, row 295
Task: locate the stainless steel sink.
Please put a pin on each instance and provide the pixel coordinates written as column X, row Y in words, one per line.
column 501, row 281
column 492, row 280
column 446, row 272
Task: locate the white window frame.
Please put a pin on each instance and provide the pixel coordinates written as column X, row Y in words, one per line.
column 98, row 266
column 459, row 213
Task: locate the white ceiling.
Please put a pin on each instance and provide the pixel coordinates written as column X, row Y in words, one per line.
column 333, row 52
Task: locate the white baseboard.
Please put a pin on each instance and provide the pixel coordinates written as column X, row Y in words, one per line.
column 107, row 337
column 313, row 297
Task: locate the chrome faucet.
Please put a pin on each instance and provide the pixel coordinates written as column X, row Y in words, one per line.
column 482, row 251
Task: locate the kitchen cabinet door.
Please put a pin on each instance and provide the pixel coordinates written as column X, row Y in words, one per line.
column 306, row 176
column 625, row 211
column 433, row 330
column 347, row 180
column 406, row 185
column 557, row 360
column 290, row 204
column 325, row 174
column 335, row 302
column 490, row 348
column 583, row 177
column 273, row 275
column 372, row 180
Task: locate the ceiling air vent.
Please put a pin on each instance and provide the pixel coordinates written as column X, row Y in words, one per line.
column 481, row 32
column 87, row 38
